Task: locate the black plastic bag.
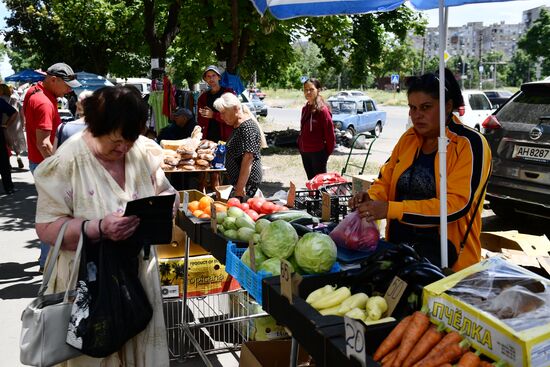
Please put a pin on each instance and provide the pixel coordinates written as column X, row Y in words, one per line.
column 111, row 305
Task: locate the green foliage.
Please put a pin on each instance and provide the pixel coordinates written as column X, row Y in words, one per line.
column 536, row 42
column 521, row 69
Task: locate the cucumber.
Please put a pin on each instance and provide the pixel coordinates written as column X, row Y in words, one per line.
column 300, row 229
column 287, row 215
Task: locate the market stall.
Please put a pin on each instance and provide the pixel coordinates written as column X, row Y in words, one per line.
column 322, row 331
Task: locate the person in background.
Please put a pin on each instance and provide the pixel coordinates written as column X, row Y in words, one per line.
column 243, row 159
column 14, row 134
column 92, row 177
column 317, row 140
column 42, row 119
column 209, row 119
column 68, row 129
column 5, row 168
column 180, row 127
column 406, row 192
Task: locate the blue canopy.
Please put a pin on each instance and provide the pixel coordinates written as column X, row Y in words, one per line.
column 25, row 75
column 285, row 9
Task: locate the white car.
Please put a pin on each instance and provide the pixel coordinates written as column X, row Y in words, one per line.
column 477, row 108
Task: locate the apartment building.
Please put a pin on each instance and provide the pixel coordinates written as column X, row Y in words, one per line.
column 475, row 39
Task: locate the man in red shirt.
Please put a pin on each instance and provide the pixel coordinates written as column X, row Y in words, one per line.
column 40, row 109
column 42, row 119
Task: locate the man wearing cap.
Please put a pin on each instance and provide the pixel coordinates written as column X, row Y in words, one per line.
column 42, row 118
column 210, row 120
column 181, row 127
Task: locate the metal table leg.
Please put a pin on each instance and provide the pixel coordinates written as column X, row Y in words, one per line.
column 294, row 352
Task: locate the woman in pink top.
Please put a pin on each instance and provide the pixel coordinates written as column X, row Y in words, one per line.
column 316, row 141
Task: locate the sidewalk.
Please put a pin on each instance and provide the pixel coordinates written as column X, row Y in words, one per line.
column 19, row 277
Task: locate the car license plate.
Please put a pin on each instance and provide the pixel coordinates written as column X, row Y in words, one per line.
column 532, row 153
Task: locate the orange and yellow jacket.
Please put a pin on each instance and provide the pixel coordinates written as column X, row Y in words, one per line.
column 468, row 168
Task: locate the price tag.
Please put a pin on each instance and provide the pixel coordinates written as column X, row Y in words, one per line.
column 213, row 218
column 252, row 255
column 355, row 340
column 291, row 196
column 394, row 293
column 186, row 203
column 286, row 280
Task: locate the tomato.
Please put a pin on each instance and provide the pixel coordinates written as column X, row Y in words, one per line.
column 234, row 202
column 257, row 203
column 252, row 214
column 268, row 207
column 249, row 200
column 245, row 206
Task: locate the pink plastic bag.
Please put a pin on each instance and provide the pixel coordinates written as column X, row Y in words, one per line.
column 355, row 233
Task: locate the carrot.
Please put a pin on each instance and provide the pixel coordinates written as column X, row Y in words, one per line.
column 416, row 328
column 390, row 359
column 451, row 353
column 390, row 356
column 469, row 359
column 431, row 337
column 450, row 338
column 393, row 339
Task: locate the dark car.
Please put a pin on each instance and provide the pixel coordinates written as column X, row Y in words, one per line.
column 498, row 97
column 519, row 136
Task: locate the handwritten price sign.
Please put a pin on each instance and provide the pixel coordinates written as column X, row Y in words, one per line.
column 355, row 340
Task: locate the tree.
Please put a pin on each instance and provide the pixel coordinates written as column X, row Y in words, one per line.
column 536, row 42
column 160, row 15
column 520, row 70
column 105, row 39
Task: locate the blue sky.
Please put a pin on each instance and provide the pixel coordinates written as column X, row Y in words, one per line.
column 488, row 13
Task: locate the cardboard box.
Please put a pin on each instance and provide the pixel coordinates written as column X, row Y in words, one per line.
column 520, row 248
column 176, row 249
column 275, row 353
column 361, row 182
column 486, row 332
column 205, row 276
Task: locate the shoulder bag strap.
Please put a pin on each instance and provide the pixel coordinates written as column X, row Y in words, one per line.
column 52, row 258
column 76, row 262
column 463, row 242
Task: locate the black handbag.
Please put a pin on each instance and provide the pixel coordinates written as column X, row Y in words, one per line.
column 111, row 305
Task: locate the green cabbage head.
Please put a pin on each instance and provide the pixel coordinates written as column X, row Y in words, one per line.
column 259, row 257
column 315, row 253
column 273, row 266
column 278, row 239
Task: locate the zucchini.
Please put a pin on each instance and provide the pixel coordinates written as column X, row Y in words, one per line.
column 287, row 215
column 306, row 221
column 300, row 229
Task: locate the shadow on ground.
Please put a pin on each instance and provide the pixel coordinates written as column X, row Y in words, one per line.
column 269, row 188
column 17, row 274
column 18, row 209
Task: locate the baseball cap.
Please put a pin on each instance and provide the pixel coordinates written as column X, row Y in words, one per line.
column 211, row 68
column 65, row 72
column 180, row 111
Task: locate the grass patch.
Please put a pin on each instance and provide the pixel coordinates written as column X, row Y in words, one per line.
column 292, row 98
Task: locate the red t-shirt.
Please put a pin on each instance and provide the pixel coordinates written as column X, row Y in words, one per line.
column 40, row 108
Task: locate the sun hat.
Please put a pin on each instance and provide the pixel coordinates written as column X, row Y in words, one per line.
column 211, row 68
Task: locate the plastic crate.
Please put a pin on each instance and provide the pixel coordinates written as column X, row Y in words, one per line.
column 312, row 200
column 248, row 279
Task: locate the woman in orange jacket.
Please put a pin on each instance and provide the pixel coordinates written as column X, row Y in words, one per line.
column 406, row 192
